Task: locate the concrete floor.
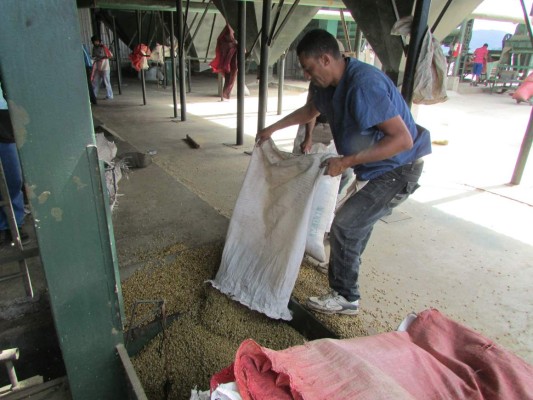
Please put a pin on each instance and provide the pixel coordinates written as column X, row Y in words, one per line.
column 462, row 243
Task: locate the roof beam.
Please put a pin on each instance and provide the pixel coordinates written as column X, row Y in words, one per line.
column 170, row 5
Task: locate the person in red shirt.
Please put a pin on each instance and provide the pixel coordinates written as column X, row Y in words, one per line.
column 481, row 57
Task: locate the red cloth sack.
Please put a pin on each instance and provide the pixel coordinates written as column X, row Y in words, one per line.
column 225, row 53
column 525, row 90
column 108, row 53
column 139, row 57
column 436, row 358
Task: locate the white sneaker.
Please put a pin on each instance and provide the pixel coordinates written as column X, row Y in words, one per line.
column 333, row 303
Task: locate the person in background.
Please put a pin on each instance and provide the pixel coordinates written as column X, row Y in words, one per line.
column 481, row 57
column 13, row 175
column 88, row 69
column 101, row 69
column 375, row 135
column 225, row 61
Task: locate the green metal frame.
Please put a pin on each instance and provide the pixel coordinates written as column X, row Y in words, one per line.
column 44, row 74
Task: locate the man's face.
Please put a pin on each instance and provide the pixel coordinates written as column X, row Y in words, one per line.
column 96, row 43
column 316, row 69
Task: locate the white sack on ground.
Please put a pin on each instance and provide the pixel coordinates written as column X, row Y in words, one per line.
column 266, row 237
column 107, row 152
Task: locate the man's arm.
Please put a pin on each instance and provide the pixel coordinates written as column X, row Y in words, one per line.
column 300, row 116
column 396, row 140
column 307, row 143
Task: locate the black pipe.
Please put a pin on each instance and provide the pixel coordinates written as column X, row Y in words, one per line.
column 444, row 9
column 117, row 56
column 281, row 82
column 198, row 26
column 210, row 37
column 255, row 42
column 263, row 77
column 289, row 14
column 143, row 80
column 528, row 137
column 357, row 41
column 163, row 41
column 273, row 27
column 397, row 16
column 241, row 54
column 524, row 152
column 173, row 66
column 418, row 30
column 186, row 17
column 345, row 29
column 181, row 61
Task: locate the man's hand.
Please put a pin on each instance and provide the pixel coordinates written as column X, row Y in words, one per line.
column 262, row 136
column 306, row 145
column 334, row 166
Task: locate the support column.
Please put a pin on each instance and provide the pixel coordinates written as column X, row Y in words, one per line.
column 117, row 56
column 418, row 30
column 181, row 59
column 281, row 82
column 357, row 44
column 524, row 152
column 139, row 33
column 457, row 63
column 173, row 65
column 263, row 78
column 241, row 72
column 55, row 137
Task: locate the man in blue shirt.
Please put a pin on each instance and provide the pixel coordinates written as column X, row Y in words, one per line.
column 375, row 134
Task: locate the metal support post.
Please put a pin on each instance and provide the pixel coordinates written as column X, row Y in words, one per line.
column 345, row 29
column 524, row 152
column 457, row 63
column 139, row 31
column 173, row 65
column 210, row 36
column 357, row 43
column 285, row 20
column 199, row 25
column 117, row 56
column 281, row 82
column 441, row 14
column 418, row 30
column 181, row 59
column 163, row 44
column 241, row 69
column 263, row 66
column 7, row 357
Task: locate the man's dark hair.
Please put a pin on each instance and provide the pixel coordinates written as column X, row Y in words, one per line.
column 95, row 38
column 318, row 42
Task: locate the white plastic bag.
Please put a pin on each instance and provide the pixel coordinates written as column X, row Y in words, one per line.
column 267, row 234
column 226, row 391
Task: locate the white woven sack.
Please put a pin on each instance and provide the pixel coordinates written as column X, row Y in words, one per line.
column 266, row 237
column 322, row 208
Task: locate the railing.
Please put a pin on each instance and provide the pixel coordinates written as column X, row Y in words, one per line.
column 135, row 389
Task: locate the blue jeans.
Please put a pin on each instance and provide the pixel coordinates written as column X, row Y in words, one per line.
column 11, row 165
column 97, row 81
column 354, row 222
